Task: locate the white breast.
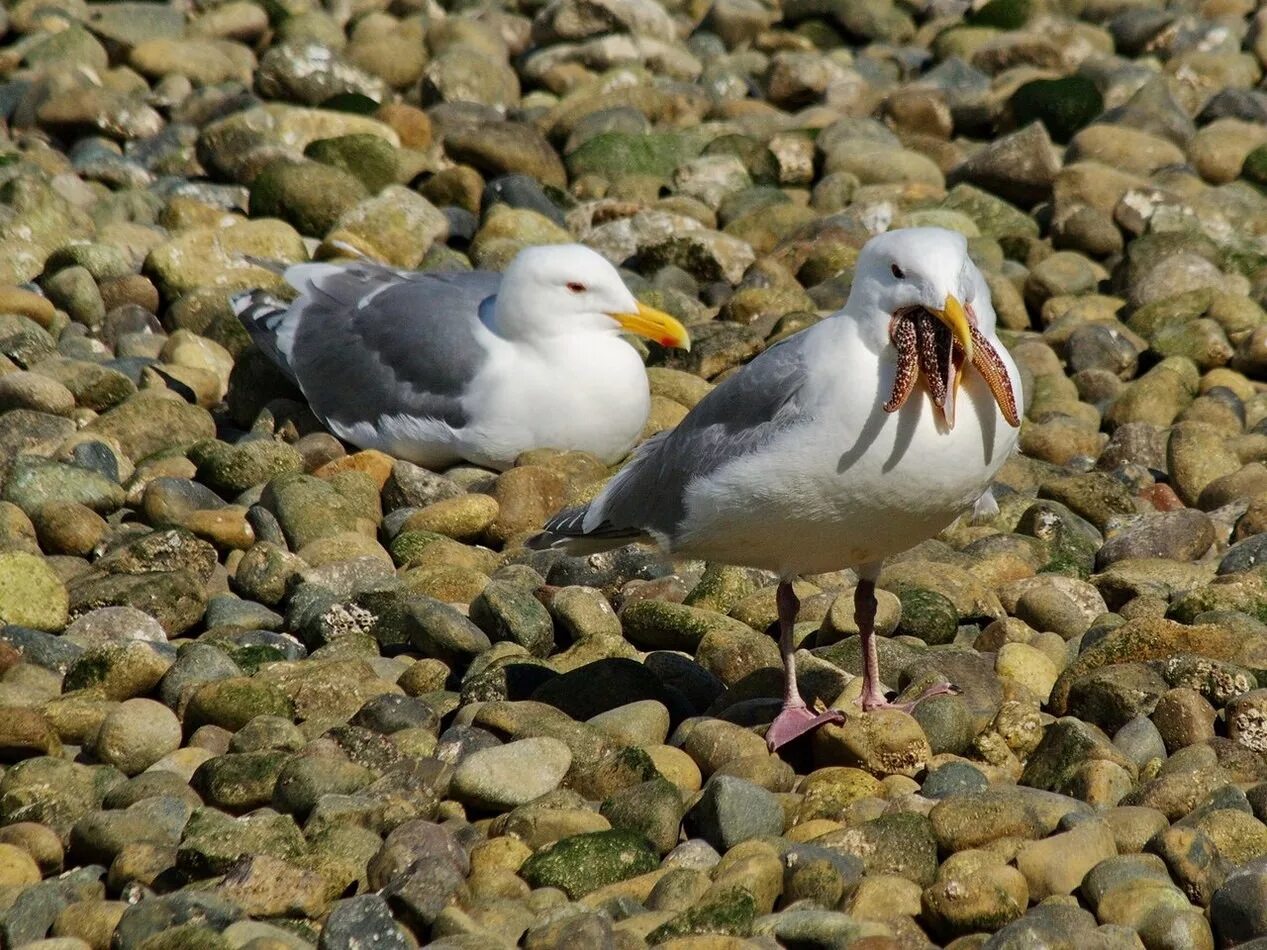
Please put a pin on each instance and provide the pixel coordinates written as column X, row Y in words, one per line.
column 856, row 485
column 588, row 393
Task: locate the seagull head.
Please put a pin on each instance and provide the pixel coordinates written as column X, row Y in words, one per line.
column 560, row 289
column 917, row 268
column 907, row 282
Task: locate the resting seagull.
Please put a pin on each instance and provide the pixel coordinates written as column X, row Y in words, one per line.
column 437, row 368
column 820, row 455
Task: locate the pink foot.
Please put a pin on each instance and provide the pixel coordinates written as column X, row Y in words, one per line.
column 796, row 720
column 875, row 699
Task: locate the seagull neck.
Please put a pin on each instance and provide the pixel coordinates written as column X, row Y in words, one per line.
column 871, row 323
column 508, row 319
column 539, row 327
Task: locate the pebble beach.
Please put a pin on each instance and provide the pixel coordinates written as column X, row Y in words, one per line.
column 261, row 690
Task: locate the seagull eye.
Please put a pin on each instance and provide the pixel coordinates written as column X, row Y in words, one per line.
column 575, row 287
column 897, row 272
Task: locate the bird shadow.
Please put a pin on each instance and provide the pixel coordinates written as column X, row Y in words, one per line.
column 984, row 405
column 907, row 418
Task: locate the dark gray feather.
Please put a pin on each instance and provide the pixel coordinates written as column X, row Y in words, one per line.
column 372, row 341
column 263, row 315
column 741, row 415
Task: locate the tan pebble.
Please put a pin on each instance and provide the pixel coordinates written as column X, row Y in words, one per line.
column 58, row 943
column 184, row 348
column 372, row 462
column 505, row 853
column 1028, row 666
column 1057, row 865
column 203, row 385
column 464, row 518
column 17, row 868
column 139, row 861
column 639, row 888
column 881, row 896
column 91, row 921
column 39, row 841
column 676, row 766
column 184, row 762
column 809, row 830
column 28, row 304
column 226, row 527
column 409, row 122
column 882, row 742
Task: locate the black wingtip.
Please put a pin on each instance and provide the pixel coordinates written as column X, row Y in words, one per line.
column 258, row 310
column 569, row 523
column 567, row 530
column 541, row 542
column 566, row 525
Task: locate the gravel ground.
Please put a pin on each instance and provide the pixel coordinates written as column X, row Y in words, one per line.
column 260, row 690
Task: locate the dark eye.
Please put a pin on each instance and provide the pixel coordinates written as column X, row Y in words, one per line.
column 576, row 288
column 897, row 272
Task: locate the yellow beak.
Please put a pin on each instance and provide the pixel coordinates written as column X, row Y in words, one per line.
column 655, row 325
column 953, row 315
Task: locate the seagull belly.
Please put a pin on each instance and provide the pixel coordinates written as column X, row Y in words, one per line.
column 841, row 494
column 589, row 394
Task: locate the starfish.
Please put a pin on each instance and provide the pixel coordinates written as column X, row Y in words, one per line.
column 926, row 347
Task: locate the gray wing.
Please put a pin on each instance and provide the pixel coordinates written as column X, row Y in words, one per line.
column 267, row 319
column 740, row 416
column 363, row 341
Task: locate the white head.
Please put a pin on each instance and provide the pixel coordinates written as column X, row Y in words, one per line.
column 917, row 267
column 928, row 269
column 565, row 289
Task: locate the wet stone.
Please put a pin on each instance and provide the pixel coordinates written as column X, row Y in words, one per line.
column 732, row 810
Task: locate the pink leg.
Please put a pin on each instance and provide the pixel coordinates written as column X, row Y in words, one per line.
column 864, row 607
column 795, row 719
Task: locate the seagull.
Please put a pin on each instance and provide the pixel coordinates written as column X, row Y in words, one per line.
column 819, row 454
column 440, row 368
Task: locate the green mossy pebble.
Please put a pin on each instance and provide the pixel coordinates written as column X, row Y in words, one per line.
column 583, row 863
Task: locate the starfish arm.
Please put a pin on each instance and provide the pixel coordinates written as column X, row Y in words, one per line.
column 989, row 364
column 930, row 362
column 902, row 332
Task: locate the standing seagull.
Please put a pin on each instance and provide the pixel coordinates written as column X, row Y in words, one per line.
column 814, row 457
column 437, row 368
